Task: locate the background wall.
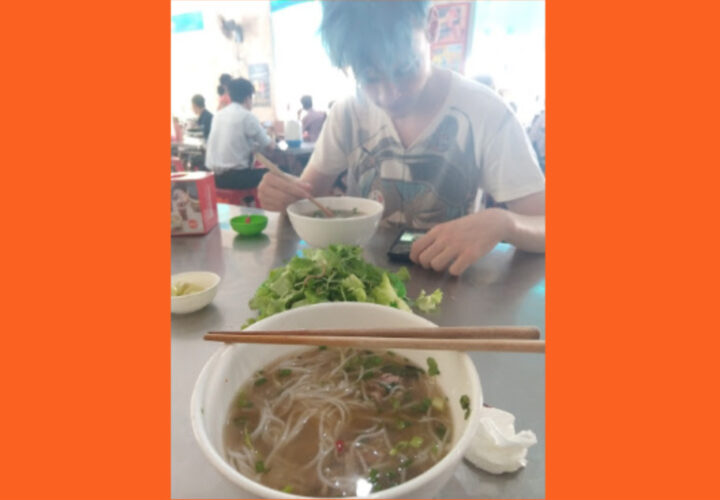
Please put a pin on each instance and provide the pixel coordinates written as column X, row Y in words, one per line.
column 198, row 57
column 506, row 41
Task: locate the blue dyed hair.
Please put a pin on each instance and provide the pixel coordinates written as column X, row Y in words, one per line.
column 373, row 35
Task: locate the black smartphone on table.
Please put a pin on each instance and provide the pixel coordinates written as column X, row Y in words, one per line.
column 400, row 249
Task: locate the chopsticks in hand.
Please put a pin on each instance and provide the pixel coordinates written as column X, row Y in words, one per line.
column 276, row 170
column 495, row 338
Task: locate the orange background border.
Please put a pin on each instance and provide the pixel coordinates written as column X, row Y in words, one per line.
column 632, row 267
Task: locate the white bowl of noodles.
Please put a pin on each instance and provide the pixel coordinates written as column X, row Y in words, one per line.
column 355, row 222
column 215, row 399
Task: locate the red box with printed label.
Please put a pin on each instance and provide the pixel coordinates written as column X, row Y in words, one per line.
column 193, row 203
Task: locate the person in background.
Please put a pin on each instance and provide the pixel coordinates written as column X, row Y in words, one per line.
column 313, row 120
column 235, row 136
column 204, row 116
column 224, row 96
column 420, row 139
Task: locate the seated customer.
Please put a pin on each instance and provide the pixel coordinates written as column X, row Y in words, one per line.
column 235, row 135
column 223, row 95
column 204, row 120
column 421, row 140
column 313, row 120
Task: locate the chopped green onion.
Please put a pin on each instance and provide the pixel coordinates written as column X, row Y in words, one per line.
column 440, row 430
column 372, row 361
column 432, row 367
column 284, row 373
column 438, row 404
column 405, row 463
column 242, row 401
column 368, row 375
column 416, row 442
column 401, row 424
column 465, row 405
column 401, row 445
column 248, row 441
column 423, row 406
column 260, row 467
column 260, row 381
column 322, row 347
column 287, row 489
column 373, row 476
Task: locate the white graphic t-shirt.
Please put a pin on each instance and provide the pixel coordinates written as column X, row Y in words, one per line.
column 475, row 141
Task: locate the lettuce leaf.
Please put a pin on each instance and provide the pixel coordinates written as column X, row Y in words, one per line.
column 335, row 273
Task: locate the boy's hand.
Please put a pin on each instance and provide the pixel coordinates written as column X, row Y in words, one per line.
column 276, row 192
column 456, row 244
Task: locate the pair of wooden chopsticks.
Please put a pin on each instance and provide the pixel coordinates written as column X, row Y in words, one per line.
column 276, row 170
column 476, row 338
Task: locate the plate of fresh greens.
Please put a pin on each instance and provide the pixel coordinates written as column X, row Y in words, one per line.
column 338, row 273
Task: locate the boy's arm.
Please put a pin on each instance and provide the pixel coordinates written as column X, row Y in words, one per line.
column 456, row 244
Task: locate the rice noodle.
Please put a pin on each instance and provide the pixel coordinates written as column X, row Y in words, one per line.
column 326, row 423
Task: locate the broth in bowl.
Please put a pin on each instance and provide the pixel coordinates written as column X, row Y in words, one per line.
column 330, row 422
column 319, row 214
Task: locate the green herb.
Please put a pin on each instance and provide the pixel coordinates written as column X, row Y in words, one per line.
column 438, row 403
column 428, row 303
column 440, row 430
column 416, row 442
column 403, row 274
column 260, row 467
column 423, row 406
column 368, row 375
column 404, row 371
column 284, row 372
column 335, row 273
column 392, row 477
column 465, row 405
column 406, row 462
column 322, row 347
column 248, row 441
column 401, row 445
column 390, row 353
column 432, row 367
column 373, row 478
column 401, row 424
column 287, row 489
column 260, row 381
column 242, row 401
column 372, row 361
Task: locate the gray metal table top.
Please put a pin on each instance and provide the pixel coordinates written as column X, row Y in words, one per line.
column 506, row 287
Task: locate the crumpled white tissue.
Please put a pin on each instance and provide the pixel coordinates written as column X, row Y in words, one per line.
column 496, row 447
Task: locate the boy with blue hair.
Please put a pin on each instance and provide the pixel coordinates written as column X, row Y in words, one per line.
column 420, row 139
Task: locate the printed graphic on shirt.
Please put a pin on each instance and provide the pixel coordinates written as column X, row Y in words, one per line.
column 434, row 181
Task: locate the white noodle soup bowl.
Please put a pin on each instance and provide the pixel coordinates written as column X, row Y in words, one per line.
column 322, row 231
column 234, row 364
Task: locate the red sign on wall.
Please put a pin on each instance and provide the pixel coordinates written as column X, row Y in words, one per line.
column 450, row 48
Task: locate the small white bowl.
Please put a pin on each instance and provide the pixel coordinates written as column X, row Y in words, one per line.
column 321, row 232
column 232, row 365
column 183, row 304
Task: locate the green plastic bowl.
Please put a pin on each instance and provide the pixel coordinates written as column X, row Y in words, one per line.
column 249, row 225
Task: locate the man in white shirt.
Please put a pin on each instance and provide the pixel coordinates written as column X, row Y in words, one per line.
column 235, row 135
column 420, row 139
